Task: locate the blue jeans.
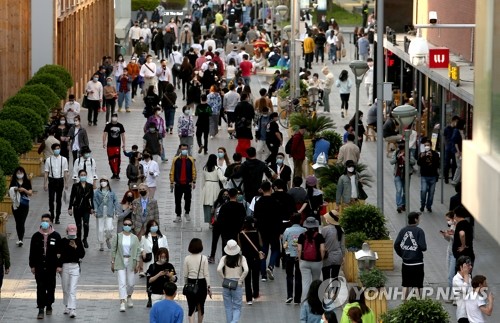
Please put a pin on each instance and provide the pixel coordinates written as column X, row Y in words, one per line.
column 332, row 53
column 428, row 185
column 275, row 252
column 451, row 268
column 232, row 303
column 400, row 191
column 169, row 118
column 122, row 96
column 246, row 80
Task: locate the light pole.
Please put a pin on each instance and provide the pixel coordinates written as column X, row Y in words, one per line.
column 406, row 115
column 270, row 4
column 281, row 12
column 379, row 69
column 359, row 68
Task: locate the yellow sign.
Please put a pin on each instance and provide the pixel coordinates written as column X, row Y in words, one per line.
column 454, row 73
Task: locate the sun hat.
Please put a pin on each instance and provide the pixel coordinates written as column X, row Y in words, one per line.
column 232, row 248
column 310, row 223
column 332, row 217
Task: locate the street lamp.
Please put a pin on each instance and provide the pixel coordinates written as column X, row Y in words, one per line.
column 359, row 68
column 406, row 115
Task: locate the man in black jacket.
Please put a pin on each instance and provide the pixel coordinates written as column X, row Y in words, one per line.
column 230, row 219
column 428, row 160
column 43, row 261
column 320, row 41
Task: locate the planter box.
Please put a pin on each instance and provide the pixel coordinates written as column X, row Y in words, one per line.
column 33, row 166
column 6, row 205
column 385, row 251
column 377, row 302
column 3, row 222
column 350, row 267
column 33, row 153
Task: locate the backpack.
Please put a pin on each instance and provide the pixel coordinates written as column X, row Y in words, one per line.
column 288, row 146
column 310, row 252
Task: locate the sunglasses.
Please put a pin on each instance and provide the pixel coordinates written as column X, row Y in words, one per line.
column 128, row 223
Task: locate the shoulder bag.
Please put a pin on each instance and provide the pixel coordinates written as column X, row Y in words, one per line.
column 261, row 254
column 228, row 283
column 191, row 289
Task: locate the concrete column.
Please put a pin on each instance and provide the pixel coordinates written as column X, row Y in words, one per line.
column 43, row 20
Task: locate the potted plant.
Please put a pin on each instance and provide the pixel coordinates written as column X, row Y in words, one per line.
column 374, row 281
column 368, row 219
column 29, row 101
column 331, row 174
column 8, row 163
column 17, row 135
column 284, row 92
column 52, row 81
column 417, row 310
column 59, row 71
column 335, row 140
column 3, row 214
column 43, row 92
column 28, row 118
column 314, row 125
column 353, row 242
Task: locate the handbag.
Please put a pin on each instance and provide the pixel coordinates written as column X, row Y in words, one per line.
column 148, row 257
column 361, row 192
column 343, row 52
column 261, row 254
column 191, row 289
column 229, row 283
column 176, row 68
column 24, row 201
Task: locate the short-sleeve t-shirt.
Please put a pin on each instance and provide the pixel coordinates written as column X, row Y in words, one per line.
column 318, row 239
column 246, row 68
column 153, row 270
column 473, row 302
column 272, row 129
column 26, row 185
column 114, row 134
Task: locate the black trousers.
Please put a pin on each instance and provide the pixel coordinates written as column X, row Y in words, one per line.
column 215, row 239
column 202, row 131
column 56, row 187
column 179, row 191
column 309, row 59
column 330, row 272
column 162, row 88
column 252, row 279
column 135, row 85
column 82, row 216
column 274, row 149
column 293, row 275
column 45, row 286
column 93, row 107
column 20, row 215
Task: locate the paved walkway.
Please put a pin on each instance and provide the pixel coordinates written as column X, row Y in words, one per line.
column 98, row 292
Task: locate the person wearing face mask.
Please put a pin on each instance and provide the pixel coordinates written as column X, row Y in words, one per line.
column 134, row 33
column 347, row 185
column 133, row 69
column 398, row 160
column 126, row 208
column 361, row 128
column 429, row 163
column 222, row 159
column 55, row 180
column 88, row 164
column 20, row 191
column 152, row 141
column 125, row 257
column 151, row 171
column 182, row 182
column 213, row 181
column 106, row 206
column 125, row 83
column 203, row 112
column 160, row 273
column 71, row 109
column 151, row 242
column 112, row 138
column 349, row 150
column 81, row 205
column 61, row 134
column 274, row 138
column 110, row 96
column 148, row 72
column 77, row 138
column 118, row 68
column 283, row 171
column 448, row 235
column 410, row 245
column 71, row 252
column 94, row 91
column 46, row 146
column 185, row 128
column 168, row 101
column 261, row 130
column 144, row 209
column 369, row 81
column 44, row 263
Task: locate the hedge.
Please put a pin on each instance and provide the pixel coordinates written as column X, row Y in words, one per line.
column 59, row 71
column 17, row 135
column 26, row 117
column 28, row 101
column 150, row 5
column 51, row 81
column 44, row 92
column 3, row 188
column 9, row 160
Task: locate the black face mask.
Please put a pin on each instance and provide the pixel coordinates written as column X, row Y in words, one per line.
column 130, row 198
column 143, row 193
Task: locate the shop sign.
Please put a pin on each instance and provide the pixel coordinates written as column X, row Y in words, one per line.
column 439, row 57
column 454, row 73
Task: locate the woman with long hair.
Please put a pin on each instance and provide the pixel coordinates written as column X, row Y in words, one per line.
column 158, row 274
column 185, row 75
column 61, row 134
column 213, row 177
column 334, row 245
column 361, row 127
column 168, row 104
column 135, row 171
column 231, row 70
column 81, row 203
column 314, row 199
column 106, row 206
column 216, row 233
column 151, row 242
column 195, row 271
column 344, row 84
column 357, row 300
column 214, row 100
column 194, row 90
column 151, row 101
column 232, row 267
column 251, row 247
column 312, row 309
column 222, row 159
column 20, row 191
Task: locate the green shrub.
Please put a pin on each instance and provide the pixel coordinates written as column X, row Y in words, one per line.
column 28, row 101
column 335, row 140
column 331, row 174
column 364, row 218
column 150, row 5
column 9, row 160
column 44, row 92
column 314, row 125
column 330, row 192
column 51, row 81
column 373, row 278
column 17, row 135
column 354, row 240
column 59, row 71
column 417, row 310
column 28, row 118
column 3, row 188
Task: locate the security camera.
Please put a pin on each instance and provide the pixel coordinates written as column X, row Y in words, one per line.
column 433, row 17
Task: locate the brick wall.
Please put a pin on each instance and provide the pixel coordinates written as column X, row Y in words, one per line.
column 451, row 12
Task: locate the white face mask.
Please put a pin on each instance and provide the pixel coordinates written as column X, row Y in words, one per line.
column 114, row 119
column 104, row 184
column 450, row 222
column 350, row 169
column 427, row 148
column 187, row 112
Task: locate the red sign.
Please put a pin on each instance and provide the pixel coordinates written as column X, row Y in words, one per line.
column 439, row 57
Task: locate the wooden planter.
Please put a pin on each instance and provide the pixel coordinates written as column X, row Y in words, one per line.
column 350, row 267
column 6, row 205
column 33, row 153
column 385, row 251
column 32, row 166
column 377, row 302
column 3, row 222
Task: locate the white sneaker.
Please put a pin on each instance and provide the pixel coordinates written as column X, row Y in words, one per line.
column 129, row 302
column 122, row 306
column 188, row 218
column 72, row 314
column 66, row 311
column 19, row 243
column 249, row 303
column 178, row 220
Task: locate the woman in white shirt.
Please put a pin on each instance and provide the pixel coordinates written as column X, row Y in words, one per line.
column 151, row 172
column 222, row 159
column 120, row 64
column 125, row 257
column 344, row 84
column 230, row 70
column 213, row 177
column 232, row 268
column 195, row 270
